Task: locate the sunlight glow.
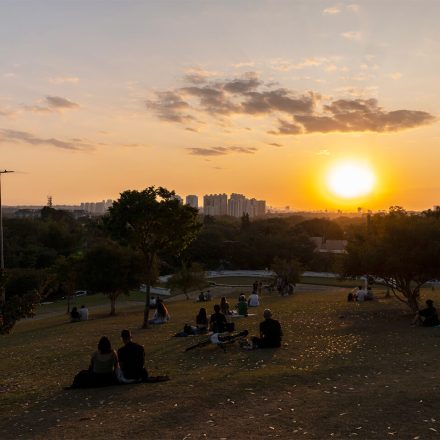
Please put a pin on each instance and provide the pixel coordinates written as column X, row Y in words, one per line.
column 350, row 179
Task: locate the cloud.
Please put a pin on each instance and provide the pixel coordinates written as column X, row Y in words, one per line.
column 168, row 106
column 323, row 153
column 333, row 10
column 395, row 75
column 352, row 35
column 58, row 102
column 222, row 100
column 14, row 136
column 274, row 144
column 220, row 151
column 353, row 7
column 64, row 79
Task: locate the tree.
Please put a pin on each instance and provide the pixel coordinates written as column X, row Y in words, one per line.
column 187, row 278
column 288, row 272
column 401, row 250
column 154, row 222
column 24, row 289
column 111, row 269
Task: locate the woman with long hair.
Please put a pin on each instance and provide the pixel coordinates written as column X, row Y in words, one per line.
column 202, row 321
column 102, row 369
column 161, row 315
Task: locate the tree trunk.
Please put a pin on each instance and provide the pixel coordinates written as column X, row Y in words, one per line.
column 68, row 304
column 147, row 305
column 413, row 302
column 112, row 305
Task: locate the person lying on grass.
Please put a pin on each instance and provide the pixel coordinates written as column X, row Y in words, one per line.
column 427, row 317
column 270, row 333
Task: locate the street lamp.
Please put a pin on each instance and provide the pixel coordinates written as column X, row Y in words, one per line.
column 2, row 259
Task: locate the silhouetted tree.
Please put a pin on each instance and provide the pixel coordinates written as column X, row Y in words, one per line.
column 154, row 222
column 113, row 270
column 187, row 278
column 402, row 250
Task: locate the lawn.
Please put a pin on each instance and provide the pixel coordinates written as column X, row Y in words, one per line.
column 345, row 370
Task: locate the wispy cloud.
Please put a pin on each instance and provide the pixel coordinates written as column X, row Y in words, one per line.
column 352, row 35
column 220, row 151
column 275, row 144
column 16, row 136
column 64, row 79
column 395, row 75
column 323, row 152
column 332, row 10
column 57, row 102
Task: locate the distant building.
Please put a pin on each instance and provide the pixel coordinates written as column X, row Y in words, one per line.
column 236, row 206
column 192, row 201
column 215, row 204
column 96, row 208
column 329, row 246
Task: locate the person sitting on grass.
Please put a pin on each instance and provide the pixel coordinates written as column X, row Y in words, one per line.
column 202, row 321
column 83, row 313
column 253, row 300
column 224, row 306
column 201, row 297
column 131, row 360
column 74, row 315
column 270, row 333
column 427, row 317
column 217, row 321
column 242, row 306
column 161, row 315
column 102, row 369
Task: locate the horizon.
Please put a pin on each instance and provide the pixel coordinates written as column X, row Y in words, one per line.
column 261, row 98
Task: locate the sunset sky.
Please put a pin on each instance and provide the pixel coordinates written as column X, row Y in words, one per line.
column 261, row 98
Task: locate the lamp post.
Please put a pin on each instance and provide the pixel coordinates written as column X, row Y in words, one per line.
column 2, row 260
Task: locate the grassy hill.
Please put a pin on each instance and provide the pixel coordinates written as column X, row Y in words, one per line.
column 345, row 370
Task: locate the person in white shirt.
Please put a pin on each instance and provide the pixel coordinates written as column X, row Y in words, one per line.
column 83, row 313
column 361, row 295
column 253, row 300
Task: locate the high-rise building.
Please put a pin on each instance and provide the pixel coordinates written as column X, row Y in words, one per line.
column 177, row 197
column 193, row 201
column 215, row 204
column 236, row 205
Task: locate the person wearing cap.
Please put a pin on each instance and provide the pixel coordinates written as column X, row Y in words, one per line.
column 270, row 332
column 131, row 359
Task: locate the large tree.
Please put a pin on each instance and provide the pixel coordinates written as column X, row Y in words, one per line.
column 111, row 269
column 402, row 250
column 155, row 222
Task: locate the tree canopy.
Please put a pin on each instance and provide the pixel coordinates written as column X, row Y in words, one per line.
column 402, row 250
column 155, row 222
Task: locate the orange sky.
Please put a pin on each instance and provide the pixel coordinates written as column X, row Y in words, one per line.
column 209, row 97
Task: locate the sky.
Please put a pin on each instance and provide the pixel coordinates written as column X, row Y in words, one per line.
column 258, row 97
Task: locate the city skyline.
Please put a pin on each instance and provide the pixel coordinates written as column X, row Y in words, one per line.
column 267, row 98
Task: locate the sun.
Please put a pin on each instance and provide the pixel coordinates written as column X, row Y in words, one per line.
column 350, row 179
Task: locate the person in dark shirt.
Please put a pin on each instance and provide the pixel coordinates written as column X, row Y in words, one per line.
column 74, row 315
column 270, row 332
column 132, row 359
column 217, row 321
column 427, row 317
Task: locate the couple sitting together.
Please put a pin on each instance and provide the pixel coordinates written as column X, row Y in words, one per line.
column 108, row 368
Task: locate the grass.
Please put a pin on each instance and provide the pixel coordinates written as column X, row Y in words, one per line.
column 345, row 370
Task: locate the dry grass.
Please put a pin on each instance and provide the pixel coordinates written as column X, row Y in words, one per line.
column 345, row 371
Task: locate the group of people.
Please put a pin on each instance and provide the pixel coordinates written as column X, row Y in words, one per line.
column 79, row 315
column 204, row 296
column 110, row 368
column 360, row 294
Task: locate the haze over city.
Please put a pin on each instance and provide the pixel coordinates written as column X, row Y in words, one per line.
column 312, row 104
